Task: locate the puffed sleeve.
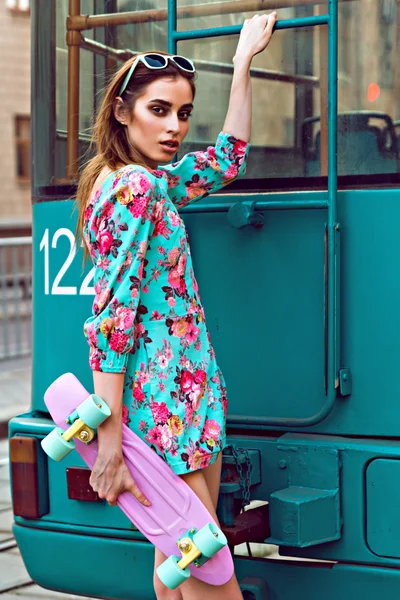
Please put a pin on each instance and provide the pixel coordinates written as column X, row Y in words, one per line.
column 119, row 232
column 198, row 174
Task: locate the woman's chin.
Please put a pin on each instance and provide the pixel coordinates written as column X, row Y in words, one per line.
column 163, row 160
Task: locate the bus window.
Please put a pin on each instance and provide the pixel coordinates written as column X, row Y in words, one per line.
column 397, row 131
column 280, row 85
column 193, row 14
column 97, row 65
column 367, row 143
column 285, row 80
column 369, row 87
column 289, row 86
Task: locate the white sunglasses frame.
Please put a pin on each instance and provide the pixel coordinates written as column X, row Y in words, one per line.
column 142, row 58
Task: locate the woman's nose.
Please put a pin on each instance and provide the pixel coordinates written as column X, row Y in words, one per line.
column 173, row 124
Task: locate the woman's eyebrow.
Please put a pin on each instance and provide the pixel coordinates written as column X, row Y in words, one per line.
column 169, row 104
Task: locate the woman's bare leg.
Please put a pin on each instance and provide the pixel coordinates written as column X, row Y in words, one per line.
column 205, row 483
column 212, row 475
column 162, row 592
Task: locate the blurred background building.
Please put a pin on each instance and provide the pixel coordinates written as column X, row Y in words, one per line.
column 15, row 177
column 15, row 161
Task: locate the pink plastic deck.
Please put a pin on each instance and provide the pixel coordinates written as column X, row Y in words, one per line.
column 175, row 508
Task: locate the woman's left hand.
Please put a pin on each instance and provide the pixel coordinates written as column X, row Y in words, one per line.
column 255, row 36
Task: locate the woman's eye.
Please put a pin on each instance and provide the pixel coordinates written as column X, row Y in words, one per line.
column 158, row 109
column 185, row 115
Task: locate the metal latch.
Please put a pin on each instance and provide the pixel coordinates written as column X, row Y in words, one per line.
column 345, row 382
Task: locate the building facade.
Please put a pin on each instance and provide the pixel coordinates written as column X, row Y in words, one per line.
column 15, row 161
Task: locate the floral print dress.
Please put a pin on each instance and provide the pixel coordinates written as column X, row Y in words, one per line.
column 148, row 321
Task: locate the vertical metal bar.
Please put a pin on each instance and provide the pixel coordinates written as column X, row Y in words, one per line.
column 17, row 302
column 172, row 26
column 323, row 90
column 333, row 313
column 172, row 31
column 43, row 65
column 73, row 39
column 4, row 311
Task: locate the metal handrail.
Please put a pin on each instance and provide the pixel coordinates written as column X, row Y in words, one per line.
column 331, row 300
column 78, row 22
column 176, row 36
column 15, row 296
column 204, row 65
column 259, row 205
column 16, row 241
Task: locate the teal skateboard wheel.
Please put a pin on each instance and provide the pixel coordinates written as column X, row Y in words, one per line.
column 170, row 574
column 209, row 540
column 93, row 411
column 56, row 446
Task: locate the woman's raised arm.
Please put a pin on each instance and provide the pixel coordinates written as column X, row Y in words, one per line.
column 254, row 38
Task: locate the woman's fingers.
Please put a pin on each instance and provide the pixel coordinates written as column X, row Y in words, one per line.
column 110, row 478
column 112, row 493
column 271, row 22
column 134, row 490
column 255, row 35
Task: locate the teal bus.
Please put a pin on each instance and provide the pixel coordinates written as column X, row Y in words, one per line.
column 299, row 267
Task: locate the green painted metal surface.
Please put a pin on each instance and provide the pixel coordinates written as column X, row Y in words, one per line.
column 285, row 459
column 272, row 290
column 382, row 507
column 70, row 558
column 307, row 512
column 304, row 516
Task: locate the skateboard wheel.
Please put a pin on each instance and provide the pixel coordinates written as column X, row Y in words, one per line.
column 209, row 540
column 93, row 411
column 56, row 446
column 170, row 574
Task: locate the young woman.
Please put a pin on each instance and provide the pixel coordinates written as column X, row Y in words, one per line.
column 150, row 349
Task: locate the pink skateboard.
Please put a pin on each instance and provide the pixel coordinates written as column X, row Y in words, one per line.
column 177, row 522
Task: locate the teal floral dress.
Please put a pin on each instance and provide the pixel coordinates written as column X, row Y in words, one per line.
column 148, row 321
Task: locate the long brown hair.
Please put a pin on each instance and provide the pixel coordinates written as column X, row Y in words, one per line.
column 110, row 137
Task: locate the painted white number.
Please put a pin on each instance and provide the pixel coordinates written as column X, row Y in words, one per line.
column 57, row 289
column 45, row 244
column 87, row 290
column 66, row 289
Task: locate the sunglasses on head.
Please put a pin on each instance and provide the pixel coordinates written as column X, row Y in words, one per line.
column 152, row 60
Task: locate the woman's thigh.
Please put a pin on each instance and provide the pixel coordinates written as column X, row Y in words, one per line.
column 205, row 483
column 212, row 475
column 162, row 592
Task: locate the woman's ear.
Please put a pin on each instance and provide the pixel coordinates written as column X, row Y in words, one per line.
column 120, row 112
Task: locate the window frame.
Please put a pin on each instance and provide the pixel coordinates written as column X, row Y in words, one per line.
column 270, row 184
column 22, row 149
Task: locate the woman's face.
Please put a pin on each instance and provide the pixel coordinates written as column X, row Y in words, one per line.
column 160, row 119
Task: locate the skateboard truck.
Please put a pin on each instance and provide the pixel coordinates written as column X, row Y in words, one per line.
column 196, row 547
column 190, row 552
column 82, row 423
column 78, row 429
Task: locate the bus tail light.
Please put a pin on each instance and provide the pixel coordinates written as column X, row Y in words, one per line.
column 29, row 484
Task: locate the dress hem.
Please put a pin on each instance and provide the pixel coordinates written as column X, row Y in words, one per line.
column 181, row 468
